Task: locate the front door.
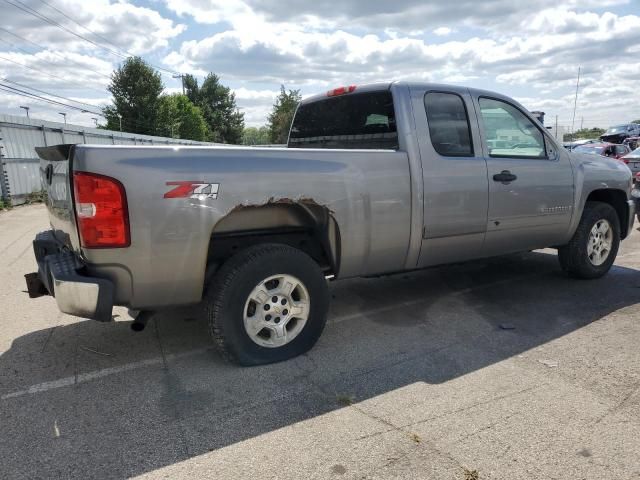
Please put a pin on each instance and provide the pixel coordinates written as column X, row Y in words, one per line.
column 530, row 182
column 454, row 176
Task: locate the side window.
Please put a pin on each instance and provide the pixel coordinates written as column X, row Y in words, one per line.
column 448, row 124
column 509, row 132
column 621, row 150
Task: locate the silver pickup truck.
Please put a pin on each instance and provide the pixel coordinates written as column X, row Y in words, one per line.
column 375, row 179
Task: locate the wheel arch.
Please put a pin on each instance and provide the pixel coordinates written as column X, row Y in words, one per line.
column 618, row 200
column 302, row 224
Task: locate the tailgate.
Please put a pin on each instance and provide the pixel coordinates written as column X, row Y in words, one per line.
column 55, row 165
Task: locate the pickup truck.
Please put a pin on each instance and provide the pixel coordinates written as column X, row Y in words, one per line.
column 375, row 179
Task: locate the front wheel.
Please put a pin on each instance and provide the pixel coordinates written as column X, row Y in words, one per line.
column 594, row 245
column 267, row 303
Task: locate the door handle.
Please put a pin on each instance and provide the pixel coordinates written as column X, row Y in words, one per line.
column 505, row 177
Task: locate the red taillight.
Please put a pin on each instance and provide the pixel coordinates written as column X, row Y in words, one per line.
column 101, row 210
column 341, row 91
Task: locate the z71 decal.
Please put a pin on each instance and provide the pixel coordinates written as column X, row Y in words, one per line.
column 197, row 190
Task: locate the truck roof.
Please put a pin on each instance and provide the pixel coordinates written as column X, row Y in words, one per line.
column 372, row 87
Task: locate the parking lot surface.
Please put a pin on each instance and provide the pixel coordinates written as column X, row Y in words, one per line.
column 497, row 369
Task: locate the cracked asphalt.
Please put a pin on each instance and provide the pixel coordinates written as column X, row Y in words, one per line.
column 502, row 368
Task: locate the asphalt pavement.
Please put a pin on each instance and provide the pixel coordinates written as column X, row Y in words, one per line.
column 496, row 369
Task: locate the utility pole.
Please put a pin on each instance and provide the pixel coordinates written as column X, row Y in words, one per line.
column 181, row 77
column 581, row 122
column 64, row 115
column 26, row 110
column 120, row 118
column 557, row 134
column 575, row 101
column 95, row 120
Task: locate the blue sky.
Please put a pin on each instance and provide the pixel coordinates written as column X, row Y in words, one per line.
column 529, row 50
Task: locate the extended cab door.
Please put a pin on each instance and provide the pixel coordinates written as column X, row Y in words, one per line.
column 530, row 182
column 454, row 174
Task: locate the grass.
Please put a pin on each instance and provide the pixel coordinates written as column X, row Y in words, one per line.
column 345, row 400
column 38, row 196
column 35, row 197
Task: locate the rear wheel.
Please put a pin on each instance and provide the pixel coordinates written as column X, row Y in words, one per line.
column 267, row 303
column 594, row 245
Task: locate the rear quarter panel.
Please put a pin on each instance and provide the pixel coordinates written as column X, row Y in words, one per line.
column 368, row 193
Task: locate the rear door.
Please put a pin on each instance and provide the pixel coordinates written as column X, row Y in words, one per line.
column 454, row 175
column 530, row 181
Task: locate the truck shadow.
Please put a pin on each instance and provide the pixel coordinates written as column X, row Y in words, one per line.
column 94, row 400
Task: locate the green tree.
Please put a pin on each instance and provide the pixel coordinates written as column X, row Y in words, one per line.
column 281, row 116
column 636, row 121
column 136, row 88
column 218, row 105
column 584, row 133
column 178, row 117
column 191, row 88
column 255, row 136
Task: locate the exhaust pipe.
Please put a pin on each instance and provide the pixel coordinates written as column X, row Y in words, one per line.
column 140, row 322
column 35, row 286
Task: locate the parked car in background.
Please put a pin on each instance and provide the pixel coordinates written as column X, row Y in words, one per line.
column 577, row 143
column 604, row 149
column 632, row 142
column 635, row 193
column 618, row 133
column 632, row 160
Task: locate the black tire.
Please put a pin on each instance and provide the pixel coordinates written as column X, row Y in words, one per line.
column 573, row 257
column 227, row 295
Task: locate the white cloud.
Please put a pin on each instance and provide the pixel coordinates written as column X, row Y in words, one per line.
column 442, row 31
column 126, row 26
column 531, row 50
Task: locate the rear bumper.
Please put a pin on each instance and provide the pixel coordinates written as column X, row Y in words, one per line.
column 62, row 274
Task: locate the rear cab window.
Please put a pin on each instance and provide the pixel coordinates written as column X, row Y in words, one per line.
column 354, row 121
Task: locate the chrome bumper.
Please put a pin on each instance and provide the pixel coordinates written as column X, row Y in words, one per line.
column 62, row 274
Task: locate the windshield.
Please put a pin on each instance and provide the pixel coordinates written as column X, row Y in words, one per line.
column 589, row 149
column 616, row 129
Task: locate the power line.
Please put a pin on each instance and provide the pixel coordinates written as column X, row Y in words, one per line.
column 66, row 59
column 25, row 8
column 102, row 92
column 128, row 123
column 24, row 93
column 13, row 45
column 47, row 93
column 100, row 36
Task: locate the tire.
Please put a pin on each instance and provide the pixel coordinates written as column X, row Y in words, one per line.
column 243, row 288
column 575, row 258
